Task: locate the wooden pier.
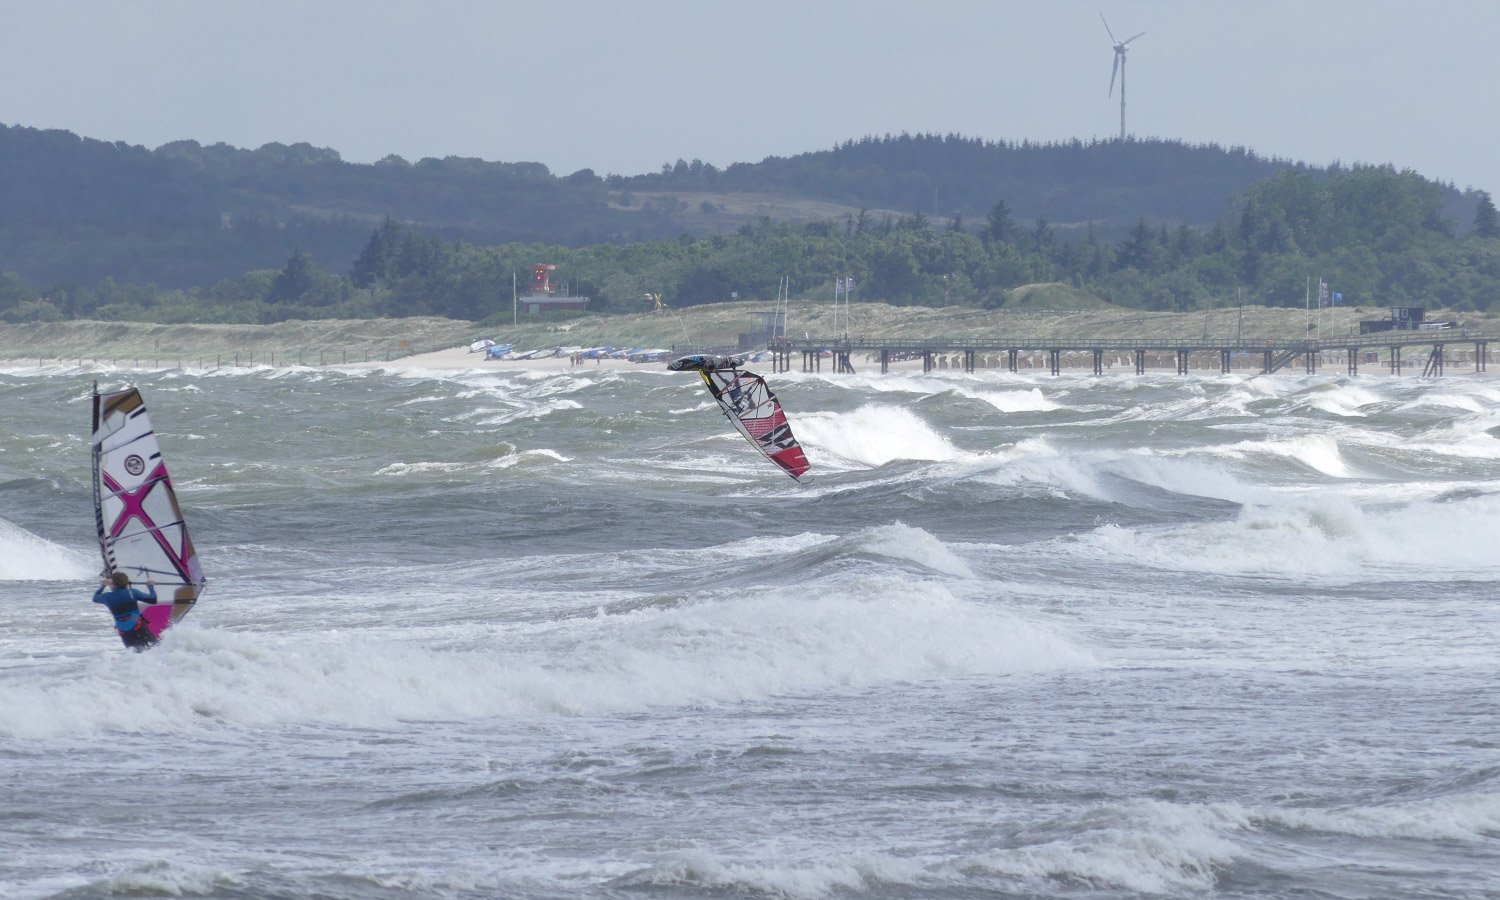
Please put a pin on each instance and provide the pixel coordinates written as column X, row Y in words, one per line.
column 1271, row 355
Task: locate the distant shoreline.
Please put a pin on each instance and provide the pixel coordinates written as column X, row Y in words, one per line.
column 443, row 343
column 461, row 359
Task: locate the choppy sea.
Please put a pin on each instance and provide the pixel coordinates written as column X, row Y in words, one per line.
column 527, row 634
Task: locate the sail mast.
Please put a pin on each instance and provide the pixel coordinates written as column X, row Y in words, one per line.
column 98, row 496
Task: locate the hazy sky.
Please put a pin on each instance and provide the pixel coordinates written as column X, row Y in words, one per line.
column 625, row 85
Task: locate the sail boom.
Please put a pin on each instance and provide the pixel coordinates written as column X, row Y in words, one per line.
column 125, row 536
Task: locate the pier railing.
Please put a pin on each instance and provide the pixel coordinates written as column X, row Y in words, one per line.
column 1275, row 353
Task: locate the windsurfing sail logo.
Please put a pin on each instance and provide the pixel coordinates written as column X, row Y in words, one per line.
column 781, row 437
column 751, row 407
column 140, row 524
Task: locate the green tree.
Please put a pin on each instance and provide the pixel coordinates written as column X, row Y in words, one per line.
column 12, row 290
column 376, row 262
column 299, row 277
column 42, row 310
column 1486, row 222
column 1138, row 249
column 1043, row 238
column 1000, row 228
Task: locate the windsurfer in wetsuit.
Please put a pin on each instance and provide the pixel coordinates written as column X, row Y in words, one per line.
column 121, row 603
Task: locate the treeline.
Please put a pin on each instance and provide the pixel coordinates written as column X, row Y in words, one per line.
column 79, row 210
column 1376, row 235
column 1103, row 181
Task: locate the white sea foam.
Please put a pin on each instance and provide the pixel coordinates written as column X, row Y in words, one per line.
column 1014, row 401
column 1105, row 475
column 1343, row 399
column 699, row 871
column 159, row 878
column 1459, row 817
column 1337, row 406
column 532, row 411
column 1037, row 462
column 899, row 541
column 26, row 557
column 1197, row 474
column 1445, row 401
column 529, row 456
column 720, row 649
column 1327, row 537
column 1319, row 452
column 563, row 568
column 1197, row 404
column 875, row 435
column 1026, row 397
column 1147, row 846
column 401, row 468
column 923, row 385
column 1466, row 438
column 1157, row 847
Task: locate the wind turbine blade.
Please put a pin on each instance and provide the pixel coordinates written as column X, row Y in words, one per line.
column 1128, row 40
column 1112, row 73
column 1106, row 29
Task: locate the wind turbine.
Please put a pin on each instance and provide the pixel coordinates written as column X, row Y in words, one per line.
column 1119, row 69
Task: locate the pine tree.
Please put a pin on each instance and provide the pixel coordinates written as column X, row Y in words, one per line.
column 1136, row 250
column 1043, row 238
column 1486, row 222
column 299, row 276
column 377, row 259
column 1000, row 226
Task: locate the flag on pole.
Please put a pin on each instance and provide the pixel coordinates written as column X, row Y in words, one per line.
column 1337, row 297
column 1322, row 293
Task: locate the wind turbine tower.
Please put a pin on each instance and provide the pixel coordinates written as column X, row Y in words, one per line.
column 1119, row 69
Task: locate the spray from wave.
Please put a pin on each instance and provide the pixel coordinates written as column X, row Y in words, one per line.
column 26, row 557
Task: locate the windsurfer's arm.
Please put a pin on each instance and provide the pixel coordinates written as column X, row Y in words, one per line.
column 149, row 596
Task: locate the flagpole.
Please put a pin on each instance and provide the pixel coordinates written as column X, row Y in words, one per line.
column 1239, row 328
column 1322, row 289
column 838, row 284
column 514, row 306
column 848, row 285
column 786, row 303
column 1307, row 307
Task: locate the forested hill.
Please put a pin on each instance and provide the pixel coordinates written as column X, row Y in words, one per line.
column 77, row 210
column 1109, row 183
column 1373, row 235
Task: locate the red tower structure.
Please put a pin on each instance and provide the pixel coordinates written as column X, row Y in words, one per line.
column 541, row 279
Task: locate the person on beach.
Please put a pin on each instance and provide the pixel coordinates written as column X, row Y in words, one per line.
column 121, row 603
